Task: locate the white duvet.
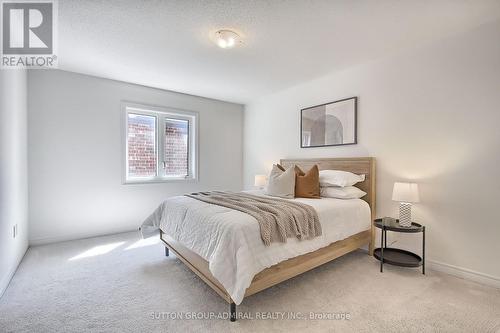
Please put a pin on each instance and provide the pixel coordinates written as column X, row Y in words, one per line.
column 230, row 240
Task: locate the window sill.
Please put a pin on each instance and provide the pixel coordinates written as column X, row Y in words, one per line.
column 159, row 180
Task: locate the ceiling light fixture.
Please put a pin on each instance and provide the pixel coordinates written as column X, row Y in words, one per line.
column 227, row 39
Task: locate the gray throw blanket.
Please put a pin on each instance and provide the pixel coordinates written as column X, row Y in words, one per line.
column 278, row 219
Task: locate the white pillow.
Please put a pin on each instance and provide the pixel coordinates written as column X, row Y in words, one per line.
column 339, row 178
column 281, row 183
column 348, row 192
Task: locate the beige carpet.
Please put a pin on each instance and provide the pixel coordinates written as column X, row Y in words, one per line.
column 121, row 284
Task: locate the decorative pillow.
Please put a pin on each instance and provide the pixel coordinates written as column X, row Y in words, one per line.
column 348, row 192
column 282, row 168
column 281, row 183
column 307, row 184
column 339, row 178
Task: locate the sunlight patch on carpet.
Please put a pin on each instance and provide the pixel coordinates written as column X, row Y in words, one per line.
column 97, row 251
column 144, row 242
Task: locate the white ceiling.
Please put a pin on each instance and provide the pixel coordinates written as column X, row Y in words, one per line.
column 166, row 44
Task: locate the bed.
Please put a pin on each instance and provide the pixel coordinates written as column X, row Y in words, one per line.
column 223, row 247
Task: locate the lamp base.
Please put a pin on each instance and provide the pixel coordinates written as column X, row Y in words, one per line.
column 405, row 214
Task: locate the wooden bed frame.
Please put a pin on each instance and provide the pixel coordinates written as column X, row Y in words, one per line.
column 298, row 265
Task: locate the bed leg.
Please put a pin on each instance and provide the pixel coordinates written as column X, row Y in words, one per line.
column 167, row 252
column 233, row 312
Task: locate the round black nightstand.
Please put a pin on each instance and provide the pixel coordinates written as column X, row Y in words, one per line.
column 395, row 256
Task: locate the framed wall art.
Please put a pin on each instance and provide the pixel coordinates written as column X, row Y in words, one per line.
column 330, row 124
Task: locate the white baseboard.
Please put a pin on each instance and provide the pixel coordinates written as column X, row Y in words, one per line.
column 464, row 273
column 460, row 272
column 71, row 237
column 4, row 283
column 6, row 280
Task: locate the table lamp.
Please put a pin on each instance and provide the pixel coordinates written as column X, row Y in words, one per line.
column 260, row 181
column 406, row 194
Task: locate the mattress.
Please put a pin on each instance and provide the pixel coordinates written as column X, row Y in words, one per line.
column 230, row 240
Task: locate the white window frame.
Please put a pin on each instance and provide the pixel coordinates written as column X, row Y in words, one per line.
column 160, row 113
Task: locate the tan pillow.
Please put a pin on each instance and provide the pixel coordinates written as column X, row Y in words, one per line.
column 307, row 184
column 281, row 183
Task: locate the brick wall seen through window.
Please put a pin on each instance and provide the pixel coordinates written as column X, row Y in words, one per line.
column 141, row 145
column 160, row 144
column 176, row 147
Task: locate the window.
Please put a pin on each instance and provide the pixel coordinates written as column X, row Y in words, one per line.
column 160, row 144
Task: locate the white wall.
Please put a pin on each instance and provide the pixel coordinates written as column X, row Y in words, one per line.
column 431, row 115
column 13, row 172
column 76, row 158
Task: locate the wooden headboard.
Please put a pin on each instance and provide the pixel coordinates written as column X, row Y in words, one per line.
column 357, row 165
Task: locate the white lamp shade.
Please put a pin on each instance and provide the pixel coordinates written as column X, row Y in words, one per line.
column 260, row 180
column 405, row 192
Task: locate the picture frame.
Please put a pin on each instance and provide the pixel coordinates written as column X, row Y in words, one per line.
column 329, row 124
